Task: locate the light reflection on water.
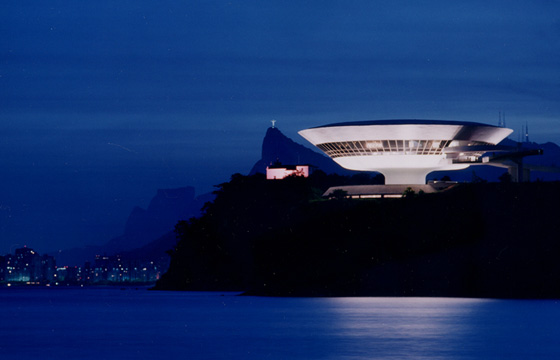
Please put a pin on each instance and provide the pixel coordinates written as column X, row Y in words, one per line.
column 403, row 327
column 129, row 324
column 450, row 328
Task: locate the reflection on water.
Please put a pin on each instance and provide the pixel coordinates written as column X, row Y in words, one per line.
column 129, row 324
column 444, row 328
column 401, row 327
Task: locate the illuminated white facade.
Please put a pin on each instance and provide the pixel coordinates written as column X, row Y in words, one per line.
column 405, row 151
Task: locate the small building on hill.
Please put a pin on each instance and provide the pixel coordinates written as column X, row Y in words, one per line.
column 279, row 171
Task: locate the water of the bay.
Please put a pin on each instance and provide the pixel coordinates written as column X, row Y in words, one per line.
column 114, row 323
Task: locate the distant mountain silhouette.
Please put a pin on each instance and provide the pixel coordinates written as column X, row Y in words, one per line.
column 156, row 250
column 277, row 147
column 143, row 227
column 164, row 211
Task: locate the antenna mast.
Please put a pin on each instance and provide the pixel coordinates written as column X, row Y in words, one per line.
column 502, row 119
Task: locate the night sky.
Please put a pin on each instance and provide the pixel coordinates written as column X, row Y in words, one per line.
column 104, row 102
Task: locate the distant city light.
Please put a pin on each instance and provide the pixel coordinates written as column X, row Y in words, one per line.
column 27, row 267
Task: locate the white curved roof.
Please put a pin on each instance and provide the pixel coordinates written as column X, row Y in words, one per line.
column 405, row 151
column 405, row 130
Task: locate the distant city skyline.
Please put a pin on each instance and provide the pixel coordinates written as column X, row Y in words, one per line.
column 27, row 267
column 103, row 103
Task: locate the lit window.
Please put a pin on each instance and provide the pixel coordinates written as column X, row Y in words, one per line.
column 374, row 145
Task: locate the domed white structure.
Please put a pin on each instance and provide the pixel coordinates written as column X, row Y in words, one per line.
column 405, row 151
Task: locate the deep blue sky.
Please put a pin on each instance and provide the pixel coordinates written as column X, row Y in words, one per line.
column 103, row 102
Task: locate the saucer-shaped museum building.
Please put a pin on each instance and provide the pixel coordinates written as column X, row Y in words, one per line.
column 405, row 151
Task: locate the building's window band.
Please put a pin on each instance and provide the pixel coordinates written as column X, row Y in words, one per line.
column 388, row 147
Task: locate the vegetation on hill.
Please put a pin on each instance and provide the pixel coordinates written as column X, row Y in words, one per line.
column 281, row 238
